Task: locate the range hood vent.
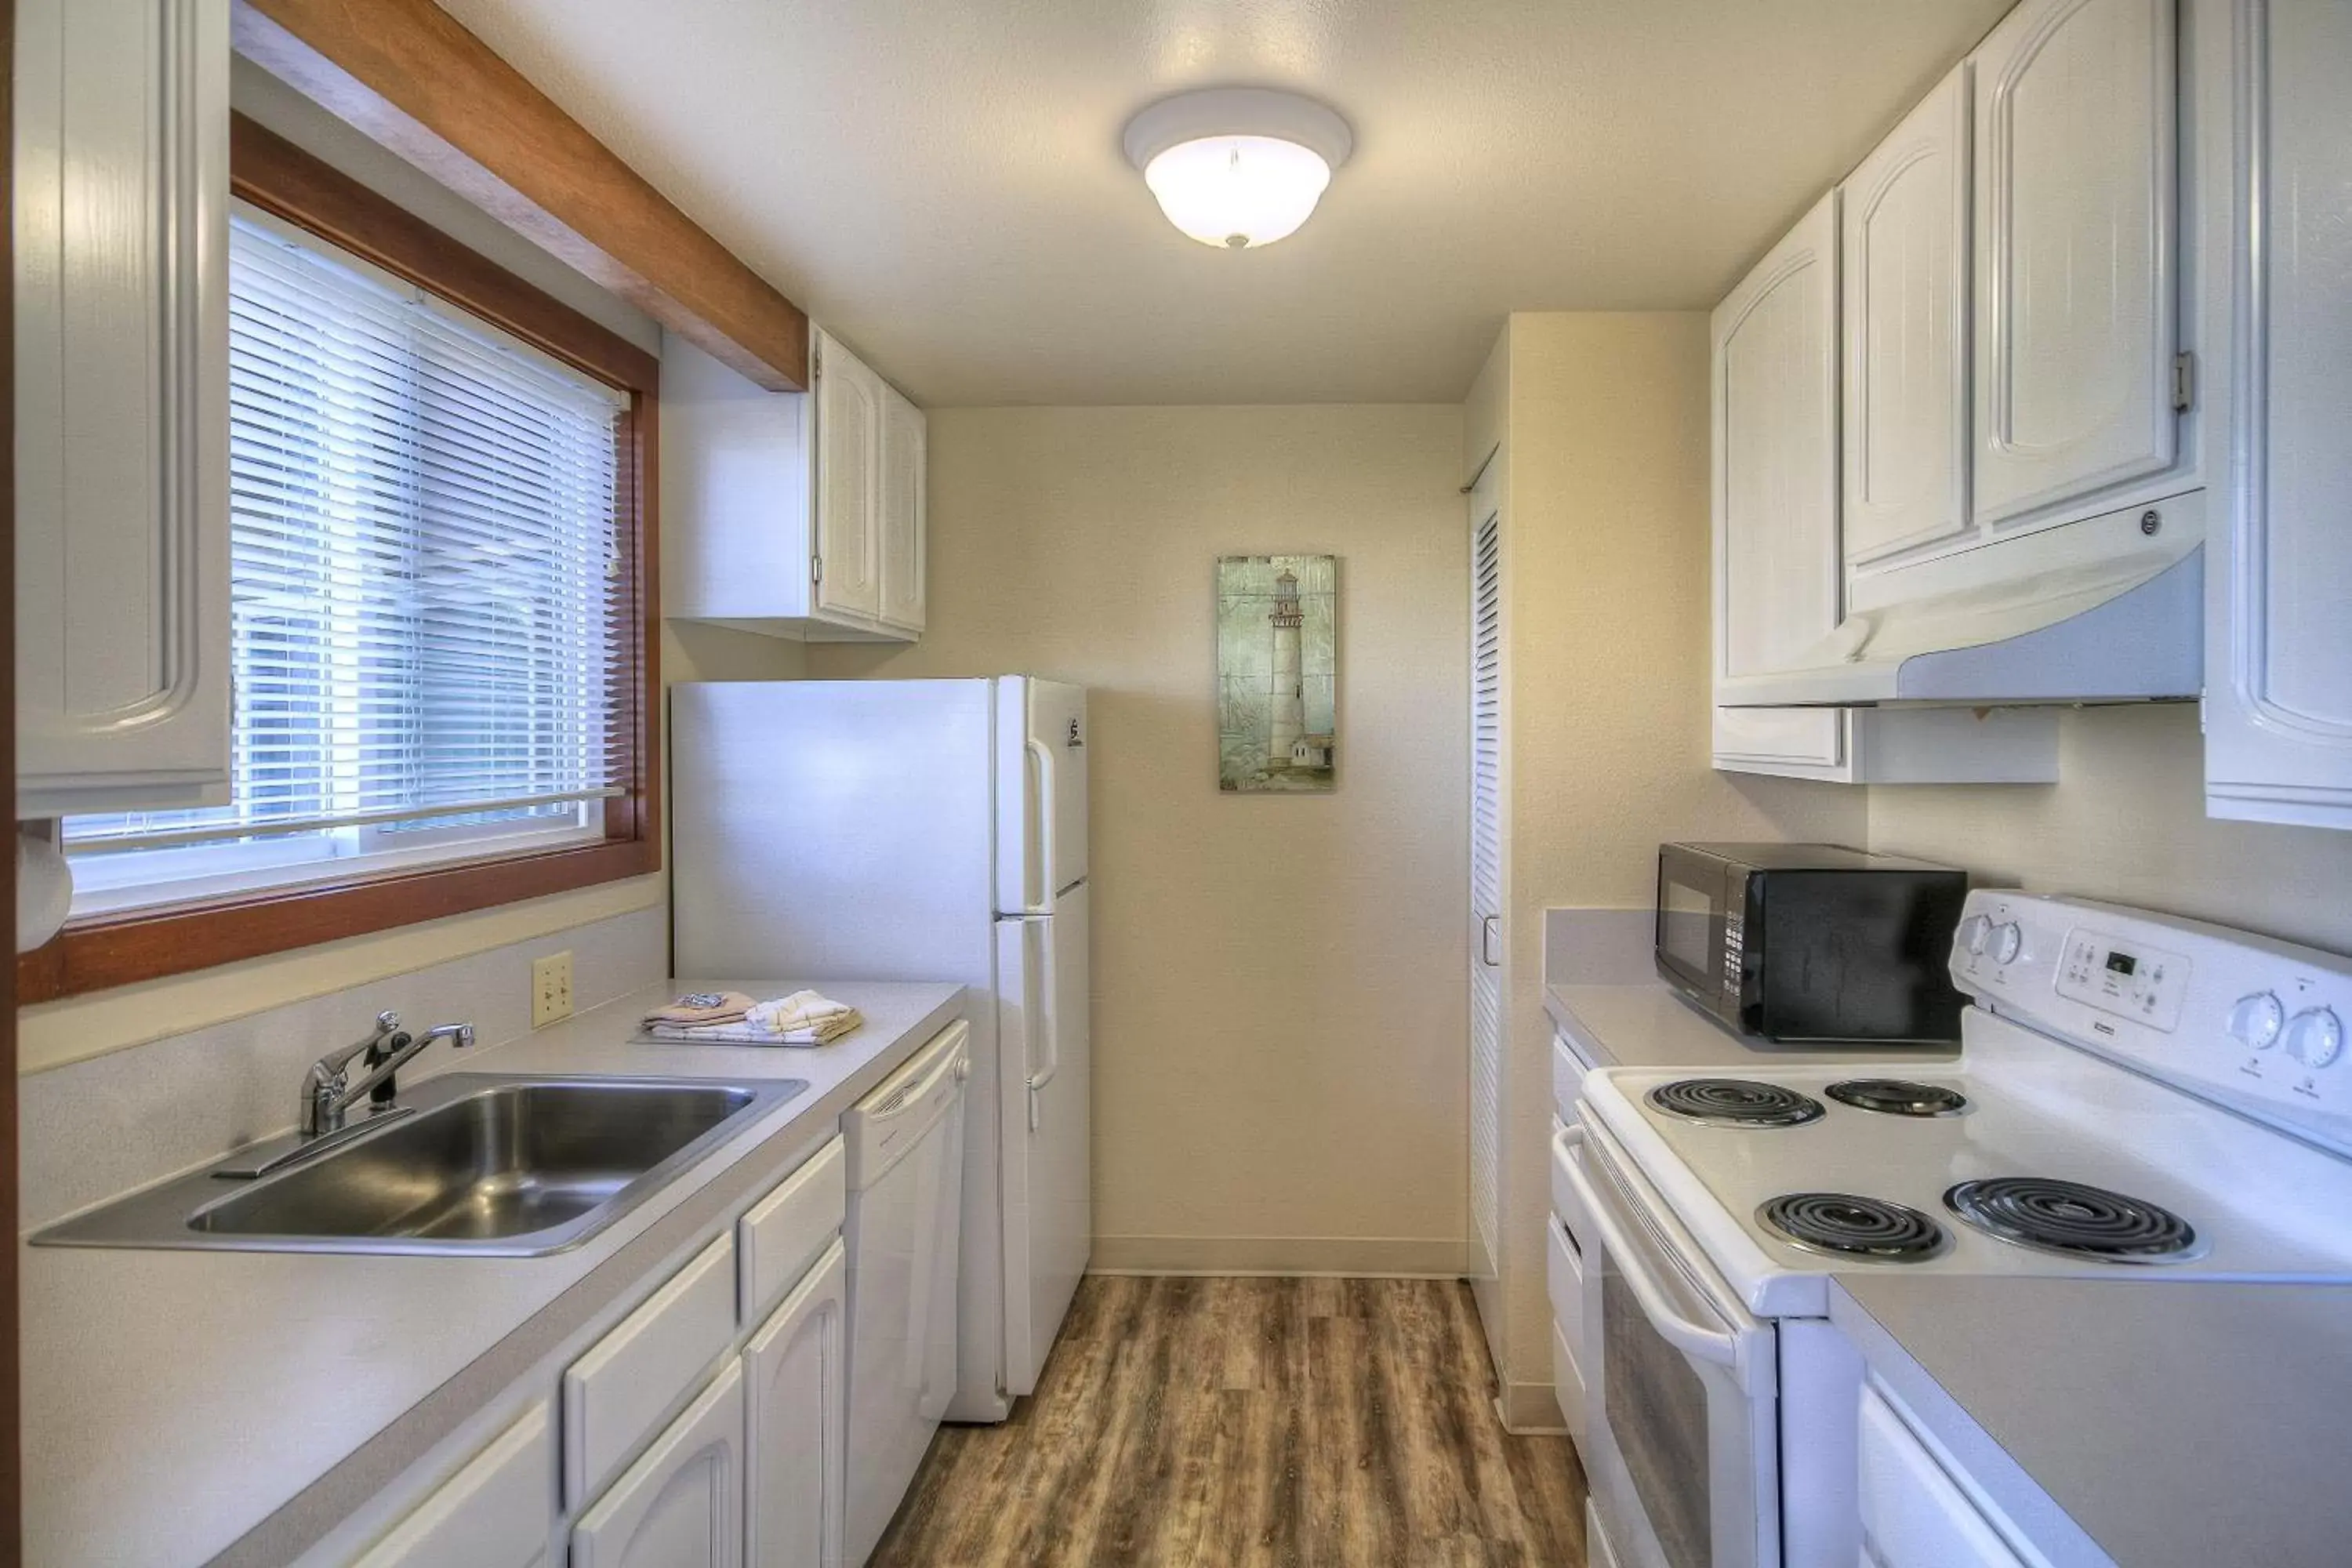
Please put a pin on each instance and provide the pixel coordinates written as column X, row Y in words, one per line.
column 2110, row 609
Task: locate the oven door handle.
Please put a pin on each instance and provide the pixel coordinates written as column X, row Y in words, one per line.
column 1690, row 1338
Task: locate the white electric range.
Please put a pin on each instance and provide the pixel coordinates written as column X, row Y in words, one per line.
column 2137, row 1097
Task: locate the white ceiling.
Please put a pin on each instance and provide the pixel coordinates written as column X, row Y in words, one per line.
column 940, row 180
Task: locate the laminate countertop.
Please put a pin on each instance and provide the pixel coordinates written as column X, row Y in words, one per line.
column 1649, row 1026
column 2155, row 1424
column 183, row 1407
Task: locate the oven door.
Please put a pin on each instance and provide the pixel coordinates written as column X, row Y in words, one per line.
column 1693, row 915
column 1682, row 1447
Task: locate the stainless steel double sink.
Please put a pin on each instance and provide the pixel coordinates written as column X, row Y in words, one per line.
column 481, row 1165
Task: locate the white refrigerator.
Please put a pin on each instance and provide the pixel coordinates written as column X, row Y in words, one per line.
column 920, row 830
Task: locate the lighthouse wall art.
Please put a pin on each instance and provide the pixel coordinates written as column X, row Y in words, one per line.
column 1278, row 673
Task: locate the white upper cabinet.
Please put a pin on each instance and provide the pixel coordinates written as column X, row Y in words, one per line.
column 1904, row 263
column 121, row 324
column 848, row 567
column 2075, row 286
column 1775, row 401
column 796, row 514
column 2278, row 657
column 905, row 523
column 1775, row 396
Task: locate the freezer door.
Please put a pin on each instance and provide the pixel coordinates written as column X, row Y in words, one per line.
column 832, row 828
column 1047, row 1090
column 1041, row 792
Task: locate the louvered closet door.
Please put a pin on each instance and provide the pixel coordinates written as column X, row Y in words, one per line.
column 1487, row 868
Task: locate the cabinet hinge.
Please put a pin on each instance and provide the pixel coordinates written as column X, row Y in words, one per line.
column 2184, row 383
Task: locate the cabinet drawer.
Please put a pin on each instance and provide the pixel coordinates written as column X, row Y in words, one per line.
column 681, row 1506
column 1913, row 1514
column 779, row 1236
column 494, row 1513
column 1565, row 1203
column 640, row 1374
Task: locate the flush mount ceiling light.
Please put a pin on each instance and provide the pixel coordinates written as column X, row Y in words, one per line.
column 1237, row 166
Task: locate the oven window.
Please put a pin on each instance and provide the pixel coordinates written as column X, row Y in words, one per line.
column 1687, row 927
column 1657, row 1411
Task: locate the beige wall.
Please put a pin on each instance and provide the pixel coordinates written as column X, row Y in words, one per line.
column 2127, row 821
column 83, row 1027
column 1278, row 989
column 1603, row 419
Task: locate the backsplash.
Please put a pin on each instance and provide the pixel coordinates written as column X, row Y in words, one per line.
column 91, row 1129
column 1599, row 947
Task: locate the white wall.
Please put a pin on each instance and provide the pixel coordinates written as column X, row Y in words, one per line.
column 2125, row 821
column 1278, row 980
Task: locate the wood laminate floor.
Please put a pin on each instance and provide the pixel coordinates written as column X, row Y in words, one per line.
column 1216, row 1422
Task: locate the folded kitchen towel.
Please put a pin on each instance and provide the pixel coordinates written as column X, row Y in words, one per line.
column 703, row 1007
column 802, row 1018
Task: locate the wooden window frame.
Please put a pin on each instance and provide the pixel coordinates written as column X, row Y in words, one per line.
column 96, row 954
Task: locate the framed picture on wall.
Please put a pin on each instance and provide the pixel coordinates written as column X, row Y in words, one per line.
column 1278, row 673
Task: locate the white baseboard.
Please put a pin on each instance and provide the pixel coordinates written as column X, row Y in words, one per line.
column 1358, row 1256
column 1530, row 1410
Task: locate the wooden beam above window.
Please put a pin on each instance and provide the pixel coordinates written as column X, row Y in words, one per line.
column 409, row 76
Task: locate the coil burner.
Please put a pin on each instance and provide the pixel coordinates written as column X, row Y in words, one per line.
column 2074, row 1220
column 1898, row 1097
column 1849, row 1226
column 1736, row 1102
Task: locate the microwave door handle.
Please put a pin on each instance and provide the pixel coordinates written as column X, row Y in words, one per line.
column 1690, row 1338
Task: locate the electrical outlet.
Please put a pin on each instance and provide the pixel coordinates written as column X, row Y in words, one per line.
column 551, row 988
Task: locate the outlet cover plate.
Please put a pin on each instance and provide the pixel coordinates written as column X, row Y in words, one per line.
column 551, row 989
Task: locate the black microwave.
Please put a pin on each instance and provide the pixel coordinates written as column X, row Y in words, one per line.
column 1812, row 943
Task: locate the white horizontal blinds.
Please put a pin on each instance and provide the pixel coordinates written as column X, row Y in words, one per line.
column 428, row 589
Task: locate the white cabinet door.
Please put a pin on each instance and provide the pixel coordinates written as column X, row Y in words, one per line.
column 1905, row 269
column 798, row 1375
column 848, row 483
column 681, row 1505
column 497, row 1513
column 905, row 523
column 123, row 431
column 1775, row 469
column 1777, row 561
column 2278, row 659
column 2074, row 268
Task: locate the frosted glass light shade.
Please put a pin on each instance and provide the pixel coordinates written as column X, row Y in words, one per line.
column 1237, row 191
column 1237, row 167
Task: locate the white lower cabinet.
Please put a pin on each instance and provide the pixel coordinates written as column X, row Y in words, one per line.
column 797, row 1371
column 1914, row 1514
column 681, row 1504
column 494, row 1513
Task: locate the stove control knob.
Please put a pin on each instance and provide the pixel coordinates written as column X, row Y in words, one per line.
column 1975, row 931
column 2256, row 1020
column 2008, row 942
column 2314, row 1038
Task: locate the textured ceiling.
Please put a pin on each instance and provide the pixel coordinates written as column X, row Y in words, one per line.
column 942, row 183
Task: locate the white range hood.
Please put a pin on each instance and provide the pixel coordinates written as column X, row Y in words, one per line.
column 2109, row 609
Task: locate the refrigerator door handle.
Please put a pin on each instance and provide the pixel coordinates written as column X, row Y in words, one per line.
column 1036, row 854
column 1037, row 966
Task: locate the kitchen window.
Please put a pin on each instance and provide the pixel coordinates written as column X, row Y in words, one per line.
column 441, row 672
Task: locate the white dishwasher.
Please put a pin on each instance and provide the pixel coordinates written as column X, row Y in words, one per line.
column 904, row 1146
